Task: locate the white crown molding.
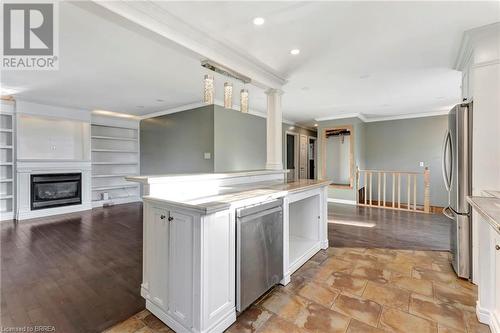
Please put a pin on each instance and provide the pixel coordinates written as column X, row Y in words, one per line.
column 470, row 40
column 157, row 19
column 407, row 116
column 343, row 116
column 365, row 119
column 217, row 102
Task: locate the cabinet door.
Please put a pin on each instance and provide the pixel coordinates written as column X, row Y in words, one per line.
column 157, row 256
column 181, row 267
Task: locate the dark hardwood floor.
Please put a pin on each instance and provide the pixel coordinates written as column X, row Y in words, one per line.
column 376, row 227
column 81, row 272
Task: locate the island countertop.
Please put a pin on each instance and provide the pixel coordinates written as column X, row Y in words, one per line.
column 182, row 177
column 489, row 208
column 228, row 195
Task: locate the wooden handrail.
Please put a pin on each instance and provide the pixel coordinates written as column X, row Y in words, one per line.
column 398, row 178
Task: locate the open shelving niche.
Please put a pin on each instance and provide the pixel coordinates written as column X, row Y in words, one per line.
column 7, row 160
column 115, row 154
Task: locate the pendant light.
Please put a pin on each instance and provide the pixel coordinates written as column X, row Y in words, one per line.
column 228, row 95
column 244, row 100
column 208, row 89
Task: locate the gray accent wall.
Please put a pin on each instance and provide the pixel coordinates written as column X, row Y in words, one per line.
column 240, row 140
column 176, row 143
column 402, row 144
column 394, row 145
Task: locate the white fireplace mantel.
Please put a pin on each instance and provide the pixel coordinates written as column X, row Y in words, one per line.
column 26, row 168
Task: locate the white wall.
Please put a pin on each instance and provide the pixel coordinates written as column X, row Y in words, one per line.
column 52, row 133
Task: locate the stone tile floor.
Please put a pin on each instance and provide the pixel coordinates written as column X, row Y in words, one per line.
column 357, row 290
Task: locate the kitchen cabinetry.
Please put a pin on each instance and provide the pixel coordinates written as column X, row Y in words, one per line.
column 488, row 305
column 189, row 267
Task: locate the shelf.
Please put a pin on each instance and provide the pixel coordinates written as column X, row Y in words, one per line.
column 6, row 164
column 113, row 187
column 6, row 147
column 114, row 151
column 115, row 163
column 2, row 197
column 6, row 180
column 6, row 130
column 298, row 246
column 111, row 176
column 113, row 126
column 113, row 138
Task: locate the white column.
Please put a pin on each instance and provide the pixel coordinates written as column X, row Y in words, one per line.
column 274, row 133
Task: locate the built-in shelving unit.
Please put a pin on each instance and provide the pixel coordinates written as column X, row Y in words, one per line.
column 7, row 158
column 115, row 154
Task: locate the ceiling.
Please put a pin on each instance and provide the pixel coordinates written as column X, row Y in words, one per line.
column 378, row 59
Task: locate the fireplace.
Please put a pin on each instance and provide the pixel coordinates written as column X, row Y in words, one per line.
column 55, row 190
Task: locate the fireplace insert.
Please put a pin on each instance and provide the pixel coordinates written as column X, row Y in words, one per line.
column 56, row 190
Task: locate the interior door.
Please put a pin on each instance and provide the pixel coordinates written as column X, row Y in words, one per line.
column 157, row 270
column 303, row 158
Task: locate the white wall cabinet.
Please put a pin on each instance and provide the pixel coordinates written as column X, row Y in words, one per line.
column 189, row 267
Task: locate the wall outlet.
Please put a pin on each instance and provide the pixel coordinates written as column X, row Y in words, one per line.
column 421, row 164
column 207, row 156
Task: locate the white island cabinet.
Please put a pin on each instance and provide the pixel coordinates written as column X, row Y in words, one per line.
column 188, row 267
column 488, row 226
column 189, row 245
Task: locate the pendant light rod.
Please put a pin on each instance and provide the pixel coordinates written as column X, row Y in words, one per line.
column 218, row 68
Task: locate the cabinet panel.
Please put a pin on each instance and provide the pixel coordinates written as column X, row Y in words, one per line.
column 496, row 282
column 181, row 267
column 158, row 257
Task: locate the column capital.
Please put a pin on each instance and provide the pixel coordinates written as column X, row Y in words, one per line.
column 274, row 91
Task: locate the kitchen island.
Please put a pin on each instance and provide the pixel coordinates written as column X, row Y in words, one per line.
column 190, row 244
column 488, row 227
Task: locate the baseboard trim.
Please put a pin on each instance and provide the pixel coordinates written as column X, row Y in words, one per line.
column 342, row 201
column 488, row 318
column 32, row 214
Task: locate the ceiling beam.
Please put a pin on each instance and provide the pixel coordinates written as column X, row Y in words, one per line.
column 156, row 18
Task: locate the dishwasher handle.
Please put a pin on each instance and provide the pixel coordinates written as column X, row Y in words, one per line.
column 254, row 209
column 261, row 213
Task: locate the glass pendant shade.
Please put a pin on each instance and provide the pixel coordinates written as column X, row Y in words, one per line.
column 208, row 89
column 228, row 95
column 244, row 100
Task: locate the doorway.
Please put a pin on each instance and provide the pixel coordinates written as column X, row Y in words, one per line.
column 311, row 155
column 291, row 155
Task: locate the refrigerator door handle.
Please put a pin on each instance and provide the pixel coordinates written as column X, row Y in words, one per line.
column 446, row 172
column 448, row 212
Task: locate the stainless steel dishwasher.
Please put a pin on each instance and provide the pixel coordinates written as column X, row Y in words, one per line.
column 259, row 250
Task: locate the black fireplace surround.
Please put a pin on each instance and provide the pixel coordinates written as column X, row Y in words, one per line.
column 56, row 190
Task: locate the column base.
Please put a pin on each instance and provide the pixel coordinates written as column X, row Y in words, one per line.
column 274, row 166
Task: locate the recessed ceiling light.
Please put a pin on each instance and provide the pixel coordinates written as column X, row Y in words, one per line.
column 160, row 100
column 258, row 21
column 294, row 51
column 315, row 125
column 291, row 128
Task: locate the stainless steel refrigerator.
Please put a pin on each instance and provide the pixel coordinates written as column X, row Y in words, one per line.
column 457, row 167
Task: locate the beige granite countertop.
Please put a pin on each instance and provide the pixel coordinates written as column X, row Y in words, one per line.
column 492, row 193
column 180, row 177
column 489, row 208
column 231, row 194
